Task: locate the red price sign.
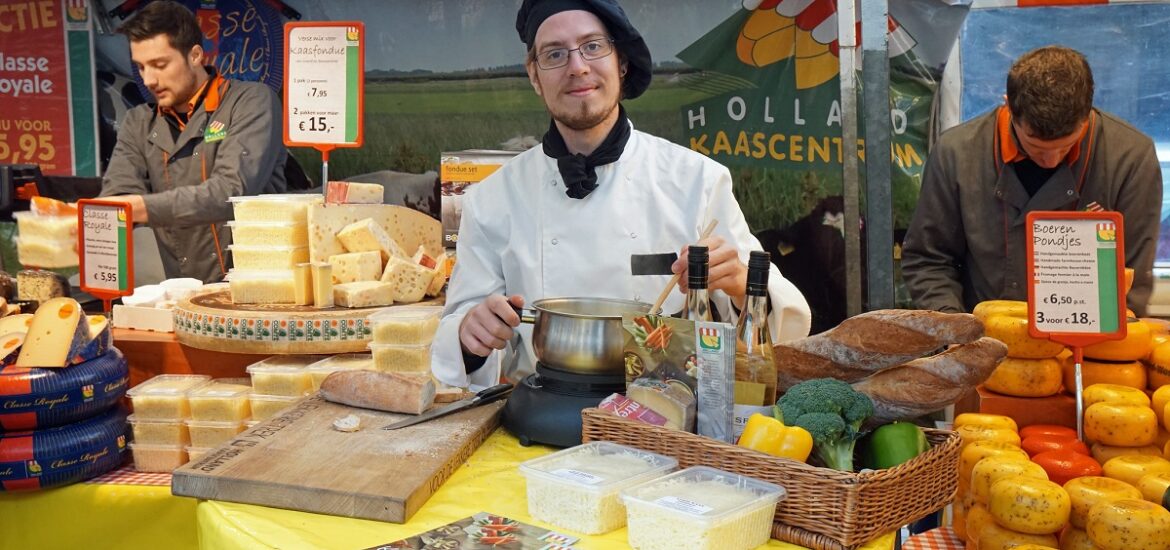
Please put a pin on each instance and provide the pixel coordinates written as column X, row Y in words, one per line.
column 105, row 248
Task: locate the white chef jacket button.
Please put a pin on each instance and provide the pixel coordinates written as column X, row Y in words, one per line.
column 633, row 235
column 554, row 241
column 637, row 297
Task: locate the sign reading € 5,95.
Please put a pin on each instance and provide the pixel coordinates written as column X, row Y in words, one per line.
column 106, row 247
column 324, row 84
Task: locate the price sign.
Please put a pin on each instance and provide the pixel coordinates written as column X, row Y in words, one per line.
column 106, row 248
column 1076, row 273
column 324, row 84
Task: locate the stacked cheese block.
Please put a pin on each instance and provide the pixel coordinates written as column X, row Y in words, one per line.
column 402, row 338
column 270, row 238
column 48, row 234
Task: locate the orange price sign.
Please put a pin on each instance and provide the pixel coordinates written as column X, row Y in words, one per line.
column 1076, row 294
column 105, row 248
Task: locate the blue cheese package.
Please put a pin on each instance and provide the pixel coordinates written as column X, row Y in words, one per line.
column 40, row 459
column 36, row 398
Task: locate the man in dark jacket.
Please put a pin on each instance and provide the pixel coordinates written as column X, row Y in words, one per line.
column 1048, row 148
column 208, row 138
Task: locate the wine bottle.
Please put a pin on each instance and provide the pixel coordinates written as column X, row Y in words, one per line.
column 755, row 373
column 698, row 307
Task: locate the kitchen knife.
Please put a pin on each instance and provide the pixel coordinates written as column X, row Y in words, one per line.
column 482, row 397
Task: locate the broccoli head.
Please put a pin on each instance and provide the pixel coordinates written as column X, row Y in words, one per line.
column 833, row 412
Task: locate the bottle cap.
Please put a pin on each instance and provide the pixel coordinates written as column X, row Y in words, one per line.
column 697, row 267
column 759, row 262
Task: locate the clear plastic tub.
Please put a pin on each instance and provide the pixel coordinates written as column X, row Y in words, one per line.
column 195, row 453
column 413, row 325
column 275, row 286
column 268, row 257
column 346, row 361
column 579, row 488
column 392, row 358
column 158, row 458
column 274, row 208
column 212, row 434
column 269, row 233
column 164, row 397
column 701, row 508
column 220, row 402
column 283, row 375
column 268, row 406
column 159, row 432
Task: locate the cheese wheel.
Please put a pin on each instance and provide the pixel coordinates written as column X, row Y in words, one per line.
column 1121, row 425
column 1132, row 374
column 1129, row 524
column 1029, row 505
column 1159, row 360
column 1103, row 453
column 991, row 308
column 1153, row 487
column 1131, row 468
column 959, row 519
column 1160, row 398
column 43, row 398
column 1115, row 393
column 976, row 518
column 1158, row 327
column 995, row 537
column 1026, row 377
column 1135, row 345
column 41, row 459
column 984, row 419
column 991, row 469
column 979, row 450
column 1084, row 492
column 972, row 433
column 1076, row 539
column 1013, row 331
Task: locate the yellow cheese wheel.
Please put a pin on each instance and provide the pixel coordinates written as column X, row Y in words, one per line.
column 1030, row 546
column 1163, row 435
column 1076, row 539
column 1160, row 397
column 1013, row 331
column 1166, row 451
column 984, row 419
column 1026, row 377
column 1103, row 453
column 977, row 517
column 1154, row 486
column 972, row 433
column 995, row 537
column 1029, row 505
column 1129, row 524
column 979, row 450
column 1121, row 425
column 992, row 308
column 1115, row 393
column 1086, row 491
column 1166, row 416
column 959, row 519
column 1131, row 468
column 1132, row 374
column 1157, row 375
column 1159, row 370
column 989, row 470
column 1135, row 345
column 1158, row 327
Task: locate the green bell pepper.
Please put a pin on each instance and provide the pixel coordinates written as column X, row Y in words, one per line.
column 892, row 444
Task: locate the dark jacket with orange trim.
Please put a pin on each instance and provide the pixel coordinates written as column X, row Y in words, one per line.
column 966, row 243
column 230, row 146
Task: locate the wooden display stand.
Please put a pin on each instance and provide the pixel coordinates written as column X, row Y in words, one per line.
column 153, row 353
column 1060, row 409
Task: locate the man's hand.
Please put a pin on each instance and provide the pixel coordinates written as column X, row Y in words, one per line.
column 137, row 205
column 725, row 271
column 489, row 324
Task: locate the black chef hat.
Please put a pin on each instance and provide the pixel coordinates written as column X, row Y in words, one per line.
column 627, row 39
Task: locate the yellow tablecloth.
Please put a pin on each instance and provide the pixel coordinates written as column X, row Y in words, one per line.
column 114, row 516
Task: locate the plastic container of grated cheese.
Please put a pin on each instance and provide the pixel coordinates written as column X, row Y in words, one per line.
column 701, row 508
column 261, row 258
column 346, row 361
column 406, row 325
column 274, row 208
column 579, row 488
column 269, row 233
column 164, row 397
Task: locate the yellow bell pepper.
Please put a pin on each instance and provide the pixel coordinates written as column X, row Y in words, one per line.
column 768, row 435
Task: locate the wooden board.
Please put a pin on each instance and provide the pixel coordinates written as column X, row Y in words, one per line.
column 213, row 322
column 408, row 227
column 298, row 461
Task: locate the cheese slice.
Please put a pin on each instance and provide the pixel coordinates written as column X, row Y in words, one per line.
column 667, row 399
column 303, row 284
column 9, row 345
column 356, row 266
column 99, row 342
column 58, row 332
column 408, row 279
column 363, row 294
column 15, row 323
column 322, row 275
column 440, row 278
column 366, row 235
column 345, row 192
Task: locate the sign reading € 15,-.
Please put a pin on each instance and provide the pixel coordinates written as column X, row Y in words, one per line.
column 324, row 87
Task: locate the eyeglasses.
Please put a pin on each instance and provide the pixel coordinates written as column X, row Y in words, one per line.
column 590, row 51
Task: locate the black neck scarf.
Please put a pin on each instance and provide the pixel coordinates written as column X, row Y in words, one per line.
column 577, row 169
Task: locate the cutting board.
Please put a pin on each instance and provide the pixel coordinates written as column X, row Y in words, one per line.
column 298, row 461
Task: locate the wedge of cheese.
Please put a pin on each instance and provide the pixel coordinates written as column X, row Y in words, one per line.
column 356, row 266
column 366, row 235
column 363, row 294
column 58, row 333
column 9, row 346
column 322, row 284
column 15, row 323
column 100, row 339
column 668, row 399
column 440, row 278
column 303, row 284
column 409, row 280
column 345, row 192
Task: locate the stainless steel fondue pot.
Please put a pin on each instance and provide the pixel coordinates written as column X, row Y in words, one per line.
column 581, row 335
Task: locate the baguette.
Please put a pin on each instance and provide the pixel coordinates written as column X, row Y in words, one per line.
column 925, row 385
column 867, row 343
column 382, row 391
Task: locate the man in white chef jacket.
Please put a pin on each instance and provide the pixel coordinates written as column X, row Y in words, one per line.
column 583, row 214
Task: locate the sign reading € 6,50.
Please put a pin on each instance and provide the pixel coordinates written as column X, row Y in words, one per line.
column 324, row 84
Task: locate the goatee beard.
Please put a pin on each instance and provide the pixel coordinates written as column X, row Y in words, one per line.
column 583, row 119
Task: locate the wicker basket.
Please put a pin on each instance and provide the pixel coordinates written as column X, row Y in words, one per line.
column 825, row 509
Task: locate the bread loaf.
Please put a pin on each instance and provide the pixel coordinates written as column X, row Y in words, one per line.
column 869, row 342
column 925, row 385
column 383, row 391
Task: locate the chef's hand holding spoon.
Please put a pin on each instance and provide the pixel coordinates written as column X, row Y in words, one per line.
column 488, row 325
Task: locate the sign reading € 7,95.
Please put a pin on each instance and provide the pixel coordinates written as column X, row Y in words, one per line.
column 324, row 84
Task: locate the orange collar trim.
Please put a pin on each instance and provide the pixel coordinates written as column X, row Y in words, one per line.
column 1009, row 149
column 210, row 93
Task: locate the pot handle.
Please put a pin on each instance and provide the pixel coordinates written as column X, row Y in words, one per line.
column 526, row 315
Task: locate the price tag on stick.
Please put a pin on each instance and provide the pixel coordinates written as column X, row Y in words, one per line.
column 105, row 248
column 324, row 86
column 1076, row 294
